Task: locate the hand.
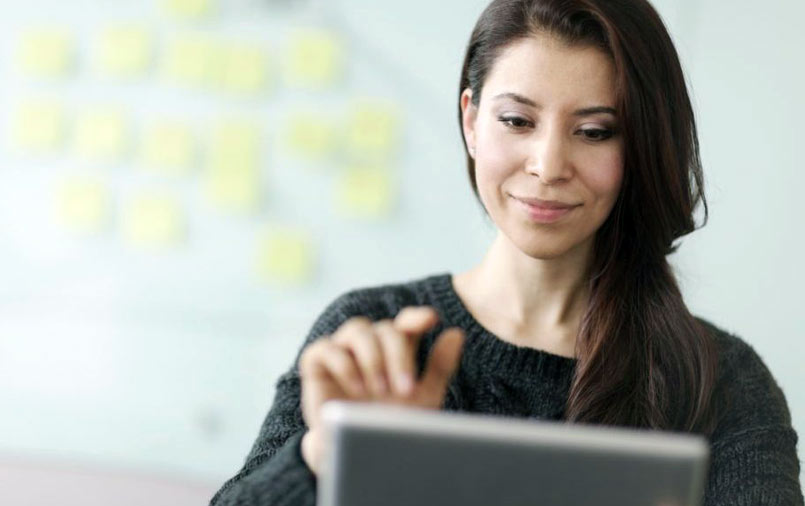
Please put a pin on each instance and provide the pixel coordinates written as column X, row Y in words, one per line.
column 366, row 361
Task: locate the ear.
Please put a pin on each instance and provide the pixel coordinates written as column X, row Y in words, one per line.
column 469, row 113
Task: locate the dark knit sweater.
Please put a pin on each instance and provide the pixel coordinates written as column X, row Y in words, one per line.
column 753, row 451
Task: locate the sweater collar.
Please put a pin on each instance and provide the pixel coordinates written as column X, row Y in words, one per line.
column 488, row 355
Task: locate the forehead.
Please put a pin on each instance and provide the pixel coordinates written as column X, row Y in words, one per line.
column 553, row 74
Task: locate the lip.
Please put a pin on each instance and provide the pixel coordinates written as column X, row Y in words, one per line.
column 544, row 211
column 545, row 204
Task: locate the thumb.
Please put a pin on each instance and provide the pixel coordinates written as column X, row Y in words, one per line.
column 443, row 362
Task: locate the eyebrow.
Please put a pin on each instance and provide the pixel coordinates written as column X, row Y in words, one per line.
column 587, row 111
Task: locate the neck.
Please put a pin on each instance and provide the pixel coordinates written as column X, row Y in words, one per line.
column 533, row 293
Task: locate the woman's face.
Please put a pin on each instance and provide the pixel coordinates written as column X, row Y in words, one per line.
column 533, row 137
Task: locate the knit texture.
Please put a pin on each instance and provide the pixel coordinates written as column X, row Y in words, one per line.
column 753, row 450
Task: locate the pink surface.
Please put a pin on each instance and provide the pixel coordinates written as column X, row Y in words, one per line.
column 28, row 482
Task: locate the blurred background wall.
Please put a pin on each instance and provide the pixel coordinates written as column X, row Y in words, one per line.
column 185, row 184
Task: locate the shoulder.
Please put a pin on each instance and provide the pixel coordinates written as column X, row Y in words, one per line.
column 738, row 360
column 752, row 395
column 376, row 302
column 732, row 349
column 392, row 296
column 387, row 299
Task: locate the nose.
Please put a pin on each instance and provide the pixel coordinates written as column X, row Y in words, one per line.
column 548, row 158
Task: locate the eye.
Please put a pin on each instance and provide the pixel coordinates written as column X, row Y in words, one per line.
column 515, row 122
column 597, row 134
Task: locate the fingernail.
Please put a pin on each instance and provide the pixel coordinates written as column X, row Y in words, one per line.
column 359, row 387
column 405, row 383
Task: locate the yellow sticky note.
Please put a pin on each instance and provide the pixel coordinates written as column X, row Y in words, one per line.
column 124, row 51
column 310, row 136
column 243, row 69
column 232, row 178
column 38, row 126
column 191, row 60
column 285, row 255
column 153, row 219
column 46, row 52
column 372, row 130
column 190, row 9
column 315, row 59
column 168, row 147
column 365, row 193
column 82, row 205
column 101, row 134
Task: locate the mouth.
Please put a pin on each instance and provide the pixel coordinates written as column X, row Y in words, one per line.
column 545, row 204
column 544, row 211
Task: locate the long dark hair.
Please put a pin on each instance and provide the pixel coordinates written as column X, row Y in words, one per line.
column 643, row 360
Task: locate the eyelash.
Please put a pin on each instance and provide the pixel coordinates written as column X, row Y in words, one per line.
column 604, row 134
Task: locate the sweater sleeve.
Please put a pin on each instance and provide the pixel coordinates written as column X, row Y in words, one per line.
column 753, row 451
column 275, row 473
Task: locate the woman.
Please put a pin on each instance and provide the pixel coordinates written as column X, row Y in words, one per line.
column 582, row 149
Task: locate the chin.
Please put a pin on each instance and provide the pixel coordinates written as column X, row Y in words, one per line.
column 547, row 244
column 544, row 248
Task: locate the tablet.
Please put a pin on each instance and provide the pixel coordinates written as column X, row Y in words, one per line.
column 392, row 455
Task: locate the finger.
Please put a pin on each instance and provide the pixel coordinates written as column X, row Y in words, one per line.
column 317, row 382
column 310, row 360
column 442, row 363
column 310, row 449
column 351, row 325
column 416, row 320
column 362, row 325
column 399, row 352
column 368, row 352
column 338, row 363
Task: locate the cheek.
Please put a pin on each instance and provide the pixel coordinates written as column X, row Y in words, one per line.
column 497, row 155
column 605, row 178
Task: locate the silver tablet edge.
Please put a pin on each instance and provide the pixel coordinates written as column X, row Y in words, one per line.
column 506, row 429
